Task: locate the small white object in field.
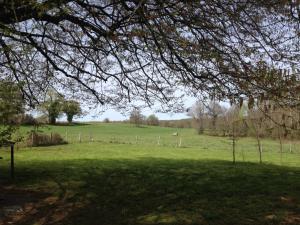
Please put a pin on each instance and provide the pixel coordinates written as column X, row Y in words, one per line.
column 175, row 134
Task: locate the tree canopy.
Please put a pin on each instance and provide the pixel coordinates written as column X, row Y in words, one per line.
column 120, row 51
column 71, row 108
column 52, row 107
column 11, row 105
column 136, row 117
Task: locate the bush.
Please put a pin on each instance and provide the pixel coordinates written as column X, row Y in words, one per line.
column 35, row 139
column 23, row 119
column 27, row 119
column 152, row 120
column 106, row 120
column 42, row 119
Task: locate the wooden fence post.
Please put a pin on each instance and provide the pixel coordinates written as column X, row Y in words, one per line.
column 32, row 139
column 66, row 135
column 12, row 161
column 179, row 143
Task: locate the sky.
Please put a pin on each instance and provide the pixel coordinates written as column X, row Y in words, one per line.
column 114, row 115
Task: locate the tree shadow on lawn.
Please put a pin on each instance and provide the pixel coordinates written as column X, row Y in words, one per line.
column 159, row 191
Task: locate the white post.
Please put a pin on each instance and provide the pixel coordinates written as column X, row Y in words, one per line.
column 136, row 139
column 179, row 142
column 158, row 140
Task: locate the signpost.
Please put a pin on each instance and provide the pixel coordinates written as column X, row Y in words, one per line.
column 12, row 159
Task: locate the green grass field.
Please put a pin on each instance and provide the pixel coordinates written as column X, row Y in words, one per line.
column 121, row 174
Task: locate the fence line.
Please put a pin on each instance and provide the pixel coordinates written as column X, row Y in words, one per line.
column 182, row 141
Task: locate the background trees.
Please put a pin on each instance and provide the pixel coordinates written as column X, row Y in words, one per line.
column 214, row 111
column 136, row 117
column 258, row 119
column 55, row 105
column 52, row 107
column 205, row 116
column 198, row 112
column 71, row 108
column 152, row 120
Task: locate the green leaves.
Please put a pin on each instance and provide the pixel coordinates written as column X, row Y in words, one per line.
column 71, row 108
column 11, row 104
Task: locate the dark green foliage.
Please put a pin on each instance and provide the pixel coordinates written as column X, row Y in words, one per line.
column 6, row 132
column 52, row 107
column 71, row 108
column 11, row 104
column 106, row 120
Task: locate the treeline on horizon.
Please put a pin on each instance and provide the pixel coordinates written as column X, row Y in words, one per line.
column 261, row 121
column 264, row 120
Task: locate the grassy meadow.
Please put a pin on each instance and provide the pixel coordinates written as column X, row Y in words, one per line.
column 114, row 174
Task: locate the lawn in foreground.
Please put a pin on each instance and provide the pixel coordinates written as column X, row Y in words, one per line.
column 94, row 183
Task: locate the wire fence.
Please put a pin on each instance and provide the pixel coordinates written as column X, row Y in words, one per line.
column 180, row 141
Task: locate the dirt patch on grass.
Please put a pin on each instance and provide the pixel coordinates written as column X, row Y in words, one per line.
column 27, row 207
column 291, row 219
column 16, row 204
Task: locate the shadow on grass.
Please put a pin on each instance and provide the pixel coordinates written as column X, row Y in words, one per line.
column 160, row 191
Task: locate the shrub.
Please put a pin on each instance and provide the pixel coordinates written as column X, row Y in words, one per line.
column 27, row 119
column 136, row 117
column 42, row 119
column 35, row 139
column 152, row 120
column 106, row 120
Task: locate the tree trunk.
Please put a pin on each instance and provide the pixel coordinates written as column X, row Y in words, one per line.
column 70, row 118
column 280, row 142
column 259, row 148
column 52, row 120
column 200, row 126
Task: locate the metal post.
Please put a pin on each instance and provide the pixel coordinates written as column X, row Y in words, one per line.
column 12, row 164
